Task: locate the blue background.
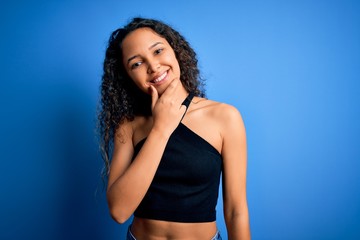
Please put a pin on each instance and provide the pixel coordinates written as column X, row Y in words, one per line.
column 291, row 67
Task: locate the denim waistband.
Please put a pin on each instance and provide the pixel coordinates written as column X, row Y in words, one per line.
column 130, row 236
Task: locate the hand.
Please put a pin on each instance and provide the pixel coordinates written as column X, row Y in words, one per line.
column 167, row 110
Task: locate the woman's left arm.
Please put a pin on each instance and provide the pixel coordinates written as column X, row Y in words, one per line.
column 234, row 175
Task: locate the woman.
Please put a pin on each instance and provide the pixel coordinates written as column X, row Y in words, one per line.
column 168, row 143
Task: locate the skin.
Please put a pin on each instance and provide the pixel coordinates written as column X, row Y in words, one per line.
column 148, row 56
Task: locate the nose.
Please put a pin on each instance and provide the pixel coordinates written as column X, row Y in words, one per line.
column 153, row 66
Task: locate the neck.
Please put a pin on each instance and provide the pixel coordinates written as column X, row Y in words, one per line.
column 183, row 92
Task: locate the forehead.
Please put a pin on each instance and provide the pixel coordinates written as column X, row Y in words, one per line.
column 139, row 40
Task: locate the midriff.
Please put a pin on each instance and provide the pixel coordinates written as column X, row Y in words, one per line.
column 163, row 230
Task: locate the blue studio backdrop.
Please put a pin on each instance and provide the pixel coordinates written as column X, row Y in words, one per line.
column 291, row 68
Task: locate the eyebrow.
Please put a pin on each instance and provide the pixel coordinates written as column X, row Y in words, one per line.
column 152, row 46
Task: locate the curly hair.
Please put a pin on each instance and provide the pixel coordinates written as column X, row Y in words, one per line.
column 121, row 99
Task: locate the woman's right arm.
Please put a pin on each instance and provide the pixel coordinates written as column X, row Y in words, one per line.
column 130, row 180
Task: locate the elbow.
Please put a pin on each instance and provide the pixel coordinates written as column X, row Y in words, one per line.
column 118, row 211
column 236, row 214
column 119, row 215
column 119, row 219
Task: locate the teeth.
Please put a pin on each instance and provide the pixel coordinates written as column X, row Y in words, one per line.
column 160, row 78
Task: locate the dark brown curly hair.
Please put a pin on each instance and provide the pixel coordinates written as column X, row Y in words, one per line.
column 121, row 99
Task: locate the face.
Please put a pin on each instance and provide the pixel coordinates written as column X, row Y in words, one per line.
column 149, row 60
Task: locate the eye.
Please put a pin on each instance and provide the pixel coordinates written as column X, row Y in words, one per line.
column 135, row 65
column 158, row 51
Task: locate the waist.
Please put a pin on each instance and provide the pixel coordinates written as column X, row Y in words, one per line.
column 156, row 229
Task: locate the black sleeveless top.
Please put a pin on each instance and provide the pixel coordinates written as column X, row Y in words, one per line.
column 186, row 184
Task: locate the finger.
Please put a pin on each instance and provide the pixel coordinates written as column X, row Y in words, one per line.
column 154, row 96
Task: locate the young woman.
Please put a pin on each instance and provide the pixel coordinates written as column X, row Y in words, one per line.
column 168, row 144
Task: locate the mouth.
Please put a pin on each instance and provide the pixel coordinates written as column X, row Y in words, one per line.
column 160, row 79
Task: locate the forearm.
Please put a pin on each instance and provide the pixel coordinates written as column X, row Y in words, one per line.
column 126, row 193
column 238, row 226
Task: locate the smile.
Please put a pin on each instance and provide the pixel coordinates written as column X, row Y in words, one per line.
column 160, row 78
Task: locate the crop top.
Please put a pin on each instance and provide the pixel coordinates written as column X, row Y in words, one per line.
column 186, row 184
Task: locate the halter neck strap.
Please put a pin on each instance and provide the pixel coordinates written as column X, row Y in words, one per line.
column 187, row 102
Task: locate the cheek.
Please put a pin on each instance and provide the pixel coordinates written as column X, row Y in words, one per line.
column 175, row 63
column 134, row 75
column 139, row 81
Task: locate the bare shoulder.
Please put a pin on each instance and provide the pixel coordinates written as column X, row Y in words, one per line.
column 124, row 138
column 221, row 112
column 213, row 121
column 140, row 128
column 124, row 132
